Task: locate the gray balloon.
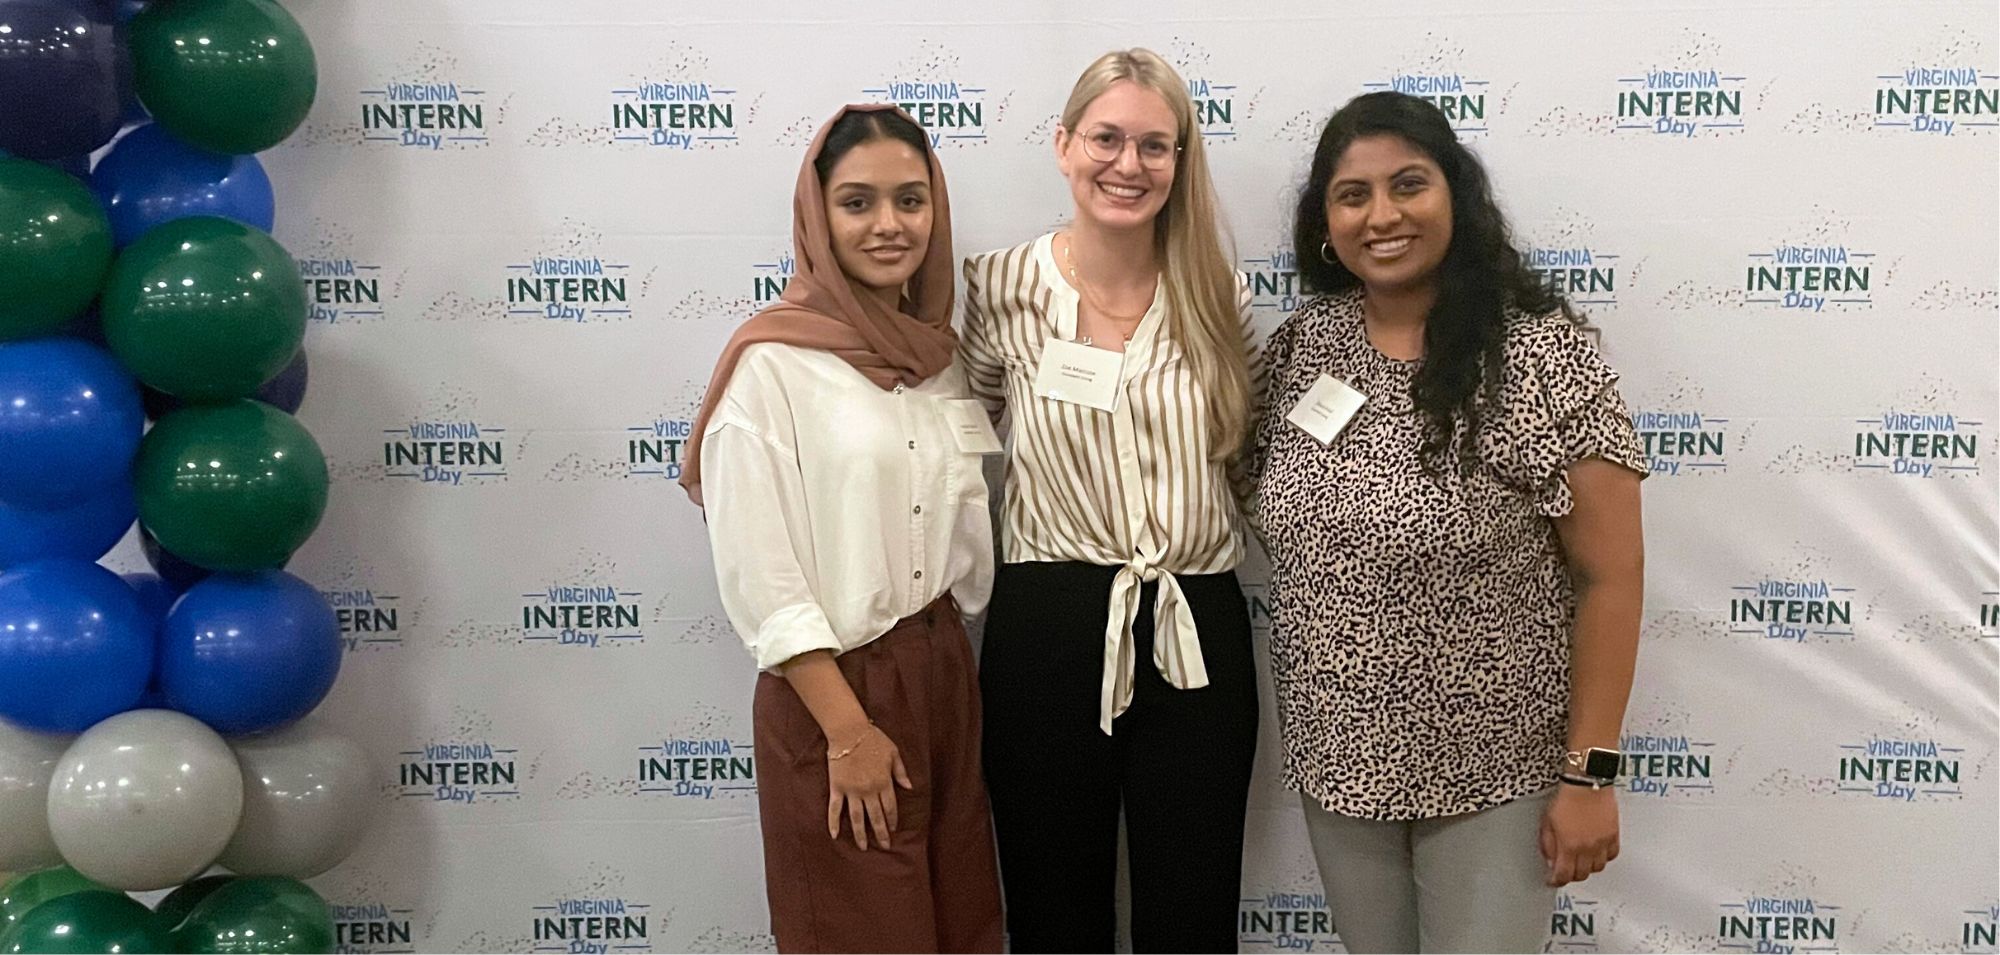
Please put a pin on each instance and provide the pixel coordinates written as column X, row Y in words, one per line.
column 145, row 800
column 27, row 761
column 306, row 802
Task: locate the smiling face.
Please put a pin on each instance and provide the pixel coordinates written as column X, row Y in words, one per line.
column 1388, row 213
column 1122, row 192
column 878, row 214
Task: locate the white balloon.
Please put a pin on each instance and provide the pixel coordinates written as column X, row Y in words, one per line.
column 27, row 761
column 145, row 800
column 306, row 802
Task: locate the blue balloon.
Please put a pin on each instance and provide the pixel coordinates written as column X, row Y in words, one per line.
column 249, row 653
column 156, row 596
column 286, row 390
column 64, row 75
column 149, row 177
column 75, row 647
column 84, row 531
column 70, row 421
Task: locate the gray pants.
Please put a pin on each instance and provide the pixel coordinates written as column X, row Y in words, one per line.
column 1469, row 883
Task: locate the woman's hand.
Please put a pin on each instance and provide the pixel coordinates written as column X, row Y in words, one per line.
column 1579, row 832
column 859, row 786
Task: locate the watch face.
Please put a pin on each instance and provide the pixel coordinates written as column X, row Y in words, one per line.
column 1601, row 763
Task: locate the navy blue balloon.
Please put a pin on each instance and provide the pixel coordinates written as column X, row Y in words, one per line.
column 75, row 646
column 88, row 326
column 84, row 531
column 149, row 177
column 249, row 653
column 156, row 596
column 177, row 571
column 286, row 391
column 70, row 421
column 64, row 75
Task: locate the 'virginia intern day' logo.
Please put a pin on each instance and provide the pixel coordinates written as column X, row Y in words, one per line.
column 1916, row 444
column 1899, row 769
column 1768, row 924
column 1792, row 610
column 1937, row 101
column 698, row 768
column 673, row 115
column 654, row 449
column 1659, row 763
column 592, row 925
column 367, row 618
column 445, row 453
column 1287, row 921
column 1809, row 277
column 589, row 616
column 1679, row 102
column 341, row 288
column 423, row 115
column 461, row 772
column 1274, row 281
column 569, row 288
column 1682, row 442
column 370, row 927
column 1584, row 275
column 1573, row 924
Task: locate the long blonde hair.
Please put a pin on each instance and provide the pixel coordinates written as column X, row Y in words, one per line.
column 1187, row 236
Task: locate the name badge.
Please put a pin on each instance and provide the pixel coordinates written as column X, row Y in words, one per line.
column 1326, row 408
column 969, row 424
column 1079, row 374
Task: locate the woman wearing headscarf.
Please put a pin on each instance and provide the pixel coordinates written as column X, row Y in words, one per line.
column 838, row 462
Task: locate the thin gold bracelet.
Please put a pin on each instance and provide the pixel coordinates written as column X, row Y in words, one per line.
column 830, row 757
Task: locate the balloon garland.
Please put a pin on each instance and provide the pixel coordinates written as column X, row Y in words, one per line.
column 151, row 725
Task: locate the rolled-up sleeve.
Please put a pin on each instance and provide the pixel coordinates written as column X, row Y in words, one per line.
column 758, row 532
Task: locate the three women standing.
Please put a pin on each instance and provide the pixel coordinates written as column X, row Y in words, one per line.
column 1448, row 477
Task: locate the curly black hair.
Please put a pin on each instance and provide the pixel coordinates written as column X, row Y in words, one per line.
column 1482, row 277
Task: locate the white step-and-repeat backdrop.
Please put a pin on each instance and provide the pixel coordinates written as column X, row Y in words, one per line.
column 528, row 227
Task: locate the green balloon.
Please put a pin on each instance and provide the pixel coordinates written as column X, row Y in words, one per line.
column 205, row 308
column 88, row 923
column 229, row 76
column 31, row 889
column 235, row 486
column 55, row 246
column 255, row 916
column 174, row 909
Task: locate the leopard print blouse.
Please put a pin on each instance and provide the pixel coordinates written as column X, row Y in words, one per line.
column 1420, row 628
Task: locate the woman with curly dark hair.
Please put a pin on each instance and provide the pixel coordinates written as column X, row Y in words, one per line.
column 1450, row 485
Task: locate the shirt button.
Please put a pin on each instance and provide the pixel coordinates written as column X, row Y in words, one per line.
column 913, row 445
column 918, row 575
column 919, row 509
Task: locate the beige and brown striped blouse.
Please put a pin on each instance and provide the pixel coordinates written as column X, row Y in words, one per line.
column 1131, row 488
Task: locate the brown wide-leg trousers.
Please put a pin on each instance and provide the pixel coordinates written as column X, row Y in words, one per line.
column 937, row 888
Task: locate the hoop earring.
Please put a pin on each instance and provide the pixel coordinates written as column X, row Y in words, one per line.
column 1324, row 255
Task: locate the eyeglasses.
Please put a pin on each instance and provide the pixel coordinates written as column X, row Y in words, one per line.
column 1106, row 145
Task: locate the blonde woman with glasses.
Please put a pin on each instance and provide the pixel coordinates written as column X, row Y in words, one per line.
column 1116, row 668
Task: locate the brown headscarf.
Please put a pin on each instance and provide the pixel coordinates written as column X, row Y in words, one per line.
column 821, row 308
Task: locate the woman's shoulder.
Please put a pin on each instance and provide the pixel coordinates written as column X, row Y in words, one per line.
column 1550, row 359
column 983, row 262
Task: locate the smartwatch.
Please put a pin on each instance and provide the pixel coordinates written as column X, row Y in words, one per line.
column 1594, row 763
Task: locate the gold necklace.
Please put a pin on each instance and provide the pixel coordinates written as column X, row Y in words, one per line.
column 1069, row 259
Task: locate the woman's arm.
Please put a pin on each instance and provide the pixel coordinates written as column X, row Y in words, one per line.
column 758, row 532
column 1602, row 540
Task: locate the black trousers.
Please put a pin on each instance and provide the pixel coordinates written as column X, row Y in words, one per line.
column 1178, row 764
